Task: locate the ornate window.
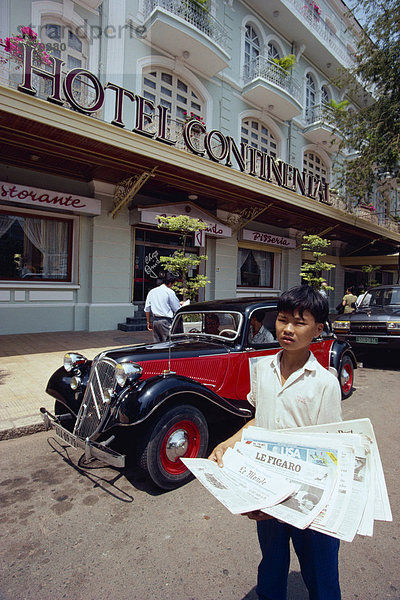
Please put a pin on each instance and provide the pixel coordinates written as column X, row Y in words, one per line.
column 258, row 135
column 273, row 52
column 168, row 89
column 252, row 49
column 310, row 98
column 314, row 165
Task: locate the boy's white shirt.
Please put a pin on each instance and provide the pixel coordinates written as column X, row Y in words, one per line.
column 309, row 396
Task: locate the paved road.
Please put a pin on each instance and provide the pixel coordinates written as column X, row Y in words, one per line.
column 78, row 533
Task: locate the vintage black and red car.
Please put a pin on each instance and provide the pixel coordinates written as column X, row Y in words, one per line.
column 168, row 397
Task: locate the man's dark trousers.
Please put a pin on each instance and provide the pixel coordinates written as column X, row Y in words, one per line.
column 317, row 554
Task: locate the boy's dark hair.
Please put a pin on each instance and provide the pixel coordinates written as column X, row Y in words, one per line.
column 305, row 297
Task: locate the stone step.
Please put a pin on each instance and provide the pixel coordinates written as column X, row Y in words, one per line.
column 136, row 319
column 132, row 327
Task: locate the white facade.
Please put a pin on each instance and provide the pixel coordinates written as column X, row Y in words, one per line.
column 217, row 64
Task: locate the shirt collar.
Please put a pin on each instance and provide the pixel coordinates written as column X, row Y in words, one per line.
column 309, row 365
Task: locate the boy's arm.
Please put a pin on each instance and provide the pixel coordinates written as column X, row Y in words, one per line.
column 218, row 452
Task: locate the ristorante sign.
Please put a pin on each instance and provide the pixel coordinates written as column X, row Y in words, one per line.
column 215, row 145
column 40, row 198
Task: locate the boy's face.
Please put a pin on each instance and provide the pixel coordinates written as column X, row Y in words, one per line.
column 294, row 332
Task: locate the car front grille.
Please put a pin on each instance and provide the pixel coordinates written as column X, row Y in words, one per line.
column 368, row 327
column 94, row 407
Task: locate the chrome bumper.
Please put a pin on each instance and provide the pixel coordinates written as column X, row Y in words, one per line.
column 92, row 449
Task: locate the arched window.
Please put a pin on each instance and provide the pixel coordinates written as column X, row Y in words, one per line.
column 310, row 98
column 314, row 165
column 252, row 49
column 325, row 97
column 258, row 135
column 168, row 89
column 63, row 42
column 273, row 52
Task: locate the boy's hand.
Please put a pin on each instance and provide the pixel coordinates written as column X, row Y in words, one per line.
column 257, row 515
column 218, row 452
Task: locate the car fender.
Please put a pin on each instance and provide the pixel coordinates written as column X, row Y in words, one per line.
column 59, row 387
column 139, row 402
column 338, row 349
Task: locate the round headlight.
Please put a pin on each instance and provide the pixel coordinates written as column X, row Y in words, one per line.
column 73, row 360
column 75, row 383
column 124, row 371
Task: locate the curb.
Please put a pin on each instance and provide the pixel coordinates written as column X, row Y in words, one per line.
column 16, row 431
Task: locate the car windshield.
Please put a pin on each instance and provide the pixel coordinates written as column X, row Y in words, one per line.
column 381, row 297
column 211, row 323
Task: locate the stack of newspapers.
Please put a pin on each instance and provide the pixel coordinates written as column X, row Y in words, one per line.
column 325, row 477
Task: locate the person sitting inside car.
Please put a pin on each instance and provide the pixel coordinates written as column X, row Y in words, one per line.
column 212, row 324
column 258, row 334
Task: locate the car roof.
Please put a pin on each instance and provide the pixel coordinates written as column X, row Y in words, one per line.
column 242, row 305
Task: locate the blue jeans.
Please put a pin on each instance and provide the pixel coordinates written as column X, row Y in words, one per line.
column 317, row 554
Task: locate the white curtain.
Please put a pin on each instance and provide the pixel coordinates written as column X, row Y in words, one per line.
column 243, row 256
column 263, row 260
column 5, row 223
column 51, row 238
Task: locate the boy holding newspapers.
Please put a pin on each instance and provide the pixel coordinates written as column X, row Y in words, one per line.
column 291, row 389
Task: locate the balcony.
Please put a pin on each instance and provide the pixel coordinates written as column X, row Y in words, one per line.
column 269, row 86
column 296, row 20
column 318, row 129
column 185, row 29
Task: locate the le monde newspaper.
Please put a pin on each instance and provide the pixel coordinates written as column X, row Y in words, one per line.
column 325, row 477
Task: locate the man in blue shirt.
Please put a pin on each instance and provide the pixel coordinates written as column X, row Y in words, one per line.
column 163, row 303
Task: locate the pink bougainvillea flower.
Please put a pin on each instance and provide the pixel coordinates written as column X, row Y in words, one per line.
column 29, row 32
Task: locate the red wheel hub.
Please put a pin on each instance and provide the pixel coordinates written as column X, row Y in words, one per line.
column 182, row 439
column 346, row 378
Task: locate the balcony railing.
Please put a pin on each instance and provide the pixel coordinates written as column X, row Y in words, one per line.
column 316, row 114
column 379, row 216
column 267, row 69
column 194, row 14
column 322, row 29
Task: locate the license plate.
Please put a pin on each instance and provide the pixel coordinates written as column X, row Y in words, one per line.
column 66, row 436
column 366, row 340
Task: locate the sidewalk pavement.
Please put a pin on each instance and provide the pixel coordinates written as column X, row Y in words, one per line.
column 27, row 361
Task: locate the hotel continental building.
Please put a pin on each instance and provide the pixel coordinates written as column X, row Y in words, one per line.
column 167, row 107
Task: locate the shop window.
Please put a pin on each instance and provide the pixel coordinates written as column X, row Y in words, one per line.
column 258, row 135
column 150, row 245
column 35, row 248
column 255, row 268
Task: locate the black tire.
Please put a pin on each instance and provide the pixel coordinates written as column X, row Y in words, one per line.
column 346, row 376
column 187, row 427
